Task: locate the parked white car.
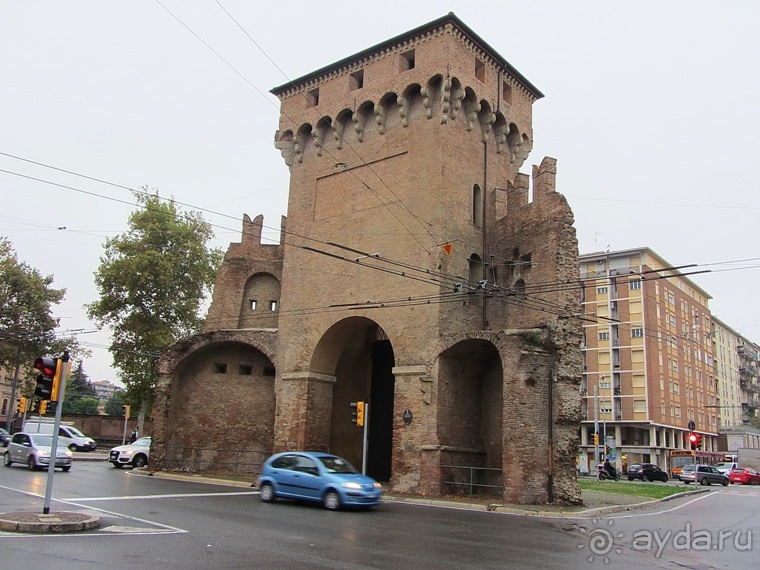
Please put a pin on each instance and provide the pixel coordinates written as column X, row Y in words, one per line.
column 134, row 454
column 726, row 467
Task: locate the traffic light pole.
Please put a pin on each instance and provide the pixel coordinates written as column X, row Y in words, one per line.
column 364, row 438
column 62, row 372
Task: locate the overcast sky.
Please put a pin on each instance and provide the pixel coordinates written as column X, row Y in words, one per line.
column 651, row 110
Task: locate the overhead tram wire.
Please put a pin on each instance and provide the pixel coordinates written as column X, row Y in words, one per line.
column 348, row 144
column 382, row 202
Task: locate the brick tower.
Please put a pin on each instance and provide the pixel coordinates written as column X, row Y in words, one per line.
column 418, row 276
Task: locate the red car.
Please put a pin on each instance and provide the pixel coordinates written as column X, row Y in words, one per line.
column 744, row 476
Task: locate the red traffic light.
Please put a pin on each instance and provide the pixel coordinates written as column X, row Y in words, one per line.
column 693, row 438
column 45, row 365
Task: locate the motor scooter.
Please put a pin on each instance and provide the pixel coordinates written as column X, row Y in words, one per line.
column 605, row 476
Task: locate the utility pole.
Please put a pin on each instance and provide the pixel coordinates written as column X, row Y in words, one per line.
column 8, row 419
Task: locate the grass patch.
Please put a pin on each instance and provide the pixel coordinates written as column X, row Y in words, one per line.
column 651, row 490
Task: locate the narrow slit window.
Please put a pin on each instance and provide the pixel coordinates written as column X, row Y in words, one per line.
column 245, row 369
column 253, row 304
column 480, row 70
column 477, row 205
column 272, row 305
column 313, row 97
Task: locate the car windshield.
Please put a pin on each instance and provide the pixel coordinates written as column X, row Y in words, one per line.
column 635, row 467
column 76, row 432
column 335, row 464
column 688, row 468
column 143, row 441
column 42, row 440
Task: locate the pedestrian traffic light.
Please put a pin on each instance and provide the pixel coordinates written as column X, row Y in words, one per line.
column 126, row 411
column 596, row 439
column 693, row 440
column 35, row 407
column 49, row 378
column 359, row 414
column 21, row 405
column 354, row 411
column 43, row 407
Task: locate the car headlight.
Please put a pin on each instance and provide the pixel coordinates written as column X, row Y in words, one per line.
column 378, row 485
column 352, row 485
column 127, row 453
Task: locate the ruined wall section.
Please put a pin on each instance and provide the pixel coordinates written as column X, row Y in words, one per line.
column 250, row 270
column 538, row 240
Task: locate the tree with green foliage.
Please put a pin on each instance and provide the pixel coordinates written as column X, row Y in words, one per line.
column 115, row 404
column 27, row 325
column 78, row 388
column 153, row 281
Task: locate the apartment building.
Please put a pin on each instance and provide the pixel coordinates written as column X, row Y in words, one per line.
column 648, row 368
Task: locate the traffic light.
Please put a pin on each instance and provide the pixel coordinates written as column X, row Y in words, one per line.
column 596, row 439
column 126, row 411
column 43, row 407
column 35, row 407
column 699, row 441
column 49, row 378
column 21, row 407
column 694, row 440
column 359, row 414
column 354, row 411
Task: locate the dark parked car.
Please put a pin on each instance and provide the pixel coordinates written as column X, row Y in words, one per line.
column 320, row 477
column 5, row 438
column 646, row 472
column 703, row 474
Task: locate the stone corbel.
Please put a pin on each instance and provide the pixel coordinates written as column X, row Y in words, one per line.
column 380, row 115
column 456, row 102
column 445, row 101
column 338, row 134
column 318, row 136
column 501, row 133
column 427, row 101
column 485, row 126
column 359, row 121
column 472, row 115
column 286, row 151
column 403, row 111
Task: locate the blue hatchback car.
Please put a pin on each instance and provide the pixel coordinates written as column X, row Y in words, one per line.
column 312, row 476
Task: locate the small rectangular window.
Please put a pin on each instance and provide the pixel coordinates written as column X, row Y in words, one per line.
column 220, row 368
column 269, row 371
column 480, row 70
column 634, row 284
column 312, row 97
column 356, row 80
column 604, row 336
column 253, row 304
column 506, row 93
column 601, row 290
column 406, row 61
column 245, row 369
column 637, row 332
column 272, row 305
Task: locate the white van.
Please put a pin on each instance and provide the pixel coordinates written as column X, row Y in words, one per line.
column 68, row 435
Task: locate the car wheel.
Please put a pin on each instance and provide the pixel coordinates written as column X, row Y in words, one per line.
column 266, row 494
column 644, row 478
column 686, row 482
column 704, row 481
column 331, row 501
column 725, row 482
column 31, row 463
column 139, row 461
column 73, row 447
column 66, row 469
column 7, row 459
column 630, row 478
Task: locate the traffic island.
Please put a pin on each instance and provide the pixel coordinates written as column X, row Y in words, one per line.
column 55, row 522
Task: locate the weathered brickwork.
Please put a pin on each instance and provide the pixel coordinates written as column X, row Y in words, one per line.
column 468, row 354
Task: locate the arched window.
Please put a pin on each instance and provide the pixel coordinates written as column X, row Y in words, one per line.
column 477, row 206
column 476, row 269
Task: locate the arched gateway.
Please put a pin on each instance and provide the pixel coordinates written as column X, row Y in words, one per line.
column 414, row 273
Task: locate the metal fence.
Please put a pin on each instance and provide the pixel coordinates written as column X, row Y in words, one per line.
column 461, row 479
column 214, row 460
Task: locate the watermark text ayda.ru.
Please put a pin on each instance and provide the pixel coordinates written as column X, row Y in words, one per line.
column 656, row 541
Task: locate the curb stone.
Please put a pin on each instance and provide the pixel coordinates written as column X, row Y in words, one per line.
column 55, row 522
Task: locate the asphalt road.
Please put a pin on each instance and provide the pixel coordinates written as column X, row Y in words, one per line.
column 149, row 522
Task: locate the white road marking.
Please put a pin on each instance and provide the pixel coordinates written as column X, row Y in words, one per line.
column 150, row 497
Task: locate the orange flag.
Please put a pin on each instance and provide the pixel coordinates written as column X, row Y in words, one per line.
column 447, row 248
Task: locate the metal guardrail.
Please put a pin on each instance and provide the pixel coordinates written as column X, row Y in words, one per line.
column 214, row 460
column 476, row 479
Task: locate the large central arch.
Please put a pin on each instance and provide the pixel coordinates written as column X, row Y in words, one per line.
column 358, row 353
